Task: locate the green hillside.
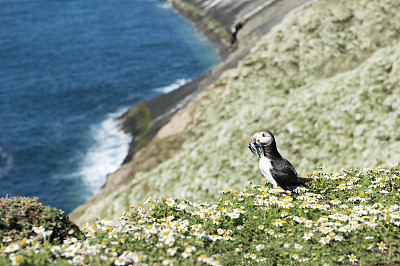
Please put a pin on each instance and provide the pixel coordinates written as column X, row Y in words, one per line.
column 340, row 218
column 325, row 81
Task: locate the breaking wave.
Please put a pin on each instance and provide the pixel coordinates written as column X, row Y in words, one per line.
column 110, row 148
column 176, row 85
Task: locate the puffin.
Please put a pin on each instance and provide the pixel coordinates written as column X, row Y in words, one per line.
column 276, row 169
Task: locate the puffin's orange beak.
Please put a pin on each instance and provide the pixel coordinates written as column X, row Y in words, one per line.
column 251, row 139
column 252, row 146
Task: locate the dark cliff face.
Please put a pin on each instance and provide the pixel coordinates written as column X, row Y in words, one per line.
column 221, row 20
column 235, row 26
column 232, row 23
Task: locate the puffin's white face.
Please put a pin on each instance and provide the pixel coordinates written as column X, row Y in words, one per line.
column 264, row 138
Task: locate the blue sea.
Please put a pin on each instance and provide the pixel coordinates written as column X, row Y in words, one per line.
column 67, row 69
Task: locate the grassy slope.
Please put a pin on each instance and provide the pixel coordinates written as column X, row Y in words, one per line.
column 346, row 217
column 325, row 81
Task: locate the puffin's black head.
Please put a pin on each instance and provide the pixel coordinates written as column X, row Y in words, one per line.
column 262, row 143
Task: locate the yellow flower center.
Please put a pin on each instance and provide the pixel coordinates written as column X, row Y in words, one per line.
column 18, row 259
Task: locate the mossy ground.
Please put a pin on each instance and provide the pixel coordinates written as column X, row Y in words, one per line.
column 18, row 215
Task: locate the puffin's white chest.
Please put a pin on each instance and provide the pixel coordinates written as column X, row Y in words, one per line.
column 265, row 166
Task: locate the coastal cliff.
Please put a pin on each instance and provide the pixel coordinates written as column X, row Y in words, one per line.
column 325, row 80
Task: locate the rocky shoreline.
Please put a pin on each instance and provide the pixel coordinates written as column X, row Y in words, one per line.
column 235, row 28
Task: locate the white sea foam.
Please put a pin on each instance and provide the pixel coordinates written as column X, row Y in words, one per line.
column 6, row 163
column 107, row 154
column 176, row 85
column 164, row 5
column 110, row 146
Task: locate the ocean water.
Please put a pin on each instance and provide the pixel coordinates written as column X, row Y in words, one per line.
column 67, row 69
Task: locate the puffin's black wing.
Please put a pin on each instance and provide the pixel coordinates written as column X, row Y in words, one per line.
column 284, row 173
